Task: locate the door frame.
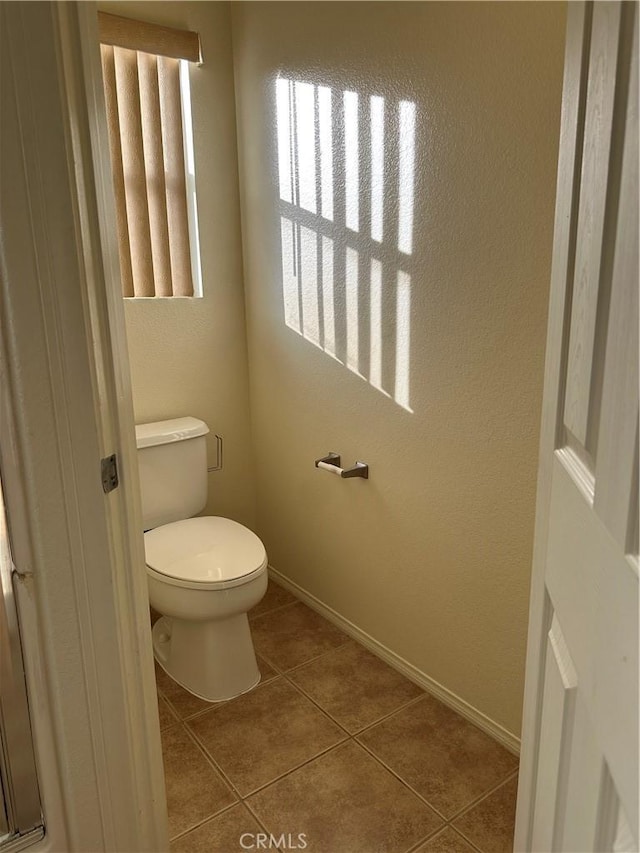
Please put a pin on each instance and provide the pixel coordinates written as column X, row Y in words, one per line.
column 65, row 402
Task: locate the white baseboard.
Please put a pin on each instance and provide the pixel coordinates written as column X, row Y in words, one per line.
column 495, row 730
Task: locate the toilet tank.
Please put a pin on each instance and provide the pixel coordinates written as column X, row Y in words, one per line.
column 172, row 462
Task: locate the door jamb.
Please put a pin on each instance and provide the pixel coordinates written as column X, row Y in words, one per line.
column 81, row 585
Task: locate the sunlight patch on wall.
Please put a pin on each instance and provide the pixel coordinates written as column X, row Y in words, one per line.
column 351, row 160
column 377, row 167
column 328, row 297
column 326, row 150
column 375, row 325
column 309, row 285
column 353, row 343
column 290, row 284
column 406, row 175
column 285, row 140
column 346, row 170
column 403, row 332
column 305, row 129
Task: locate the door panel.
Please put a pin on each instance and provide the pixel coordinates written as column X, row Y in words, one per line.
column 591, row 220
column 560, row 684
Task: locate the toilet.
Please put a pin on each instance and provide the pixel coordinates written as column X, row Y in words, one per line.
column 203, row 573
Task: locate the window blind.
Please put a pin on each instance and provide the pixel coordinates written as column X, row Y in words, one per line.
column 144, row 115
column 149, row 38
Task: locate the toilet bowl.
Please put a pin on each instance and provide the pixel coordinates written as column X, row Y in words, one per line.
column 204, row 574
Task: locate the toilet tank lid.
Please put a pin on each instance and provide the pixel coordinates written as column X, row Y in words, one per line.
column 165, row 432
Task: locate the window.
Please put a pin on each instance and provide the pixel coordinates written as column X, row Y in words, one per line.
column 146, row 82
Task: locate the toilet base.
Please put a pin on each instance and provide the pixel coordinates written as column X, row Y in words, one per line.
column 213, row 660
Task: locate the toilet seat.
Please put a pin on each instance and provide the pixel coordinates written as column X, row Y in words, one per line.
column 209, row 552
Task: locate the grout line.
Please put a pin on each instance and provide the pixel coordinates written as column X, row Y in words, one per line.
column 174, row 720
column 215, row 705
column 461, row 812
column 197, row 714
column 467, row 807
column 286, row 673
column 240, row 804
column 257, row 819
column 164, row 699
column 428, row 837
column 404, row 781
column 297, row 767
column 468, row 841
column 283, row 670
column 444, row 829
column 260, row 659
column 322, row 654
column 212, row 761
column 205, row 820
column 172, row 707
column 333, row 720
column 368, row 726
column 350, row 739
column 406, row 705
column 274, row 610
column 174, row 716
column 231, row 784
column 268, row 660
column 161, row 695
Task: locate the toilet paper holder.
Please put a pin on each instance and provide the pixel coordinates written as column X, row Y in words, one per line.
column 331, row 463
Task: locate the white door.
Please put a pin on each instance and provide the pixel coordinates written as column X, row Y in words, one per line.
column 579, row 767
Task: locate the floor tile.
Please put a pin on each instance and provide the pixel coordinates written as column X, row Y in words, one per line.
column 446, row 759
column 195, row 790
column 263, row 734
column 491, row 823
column 294, row 635
column 447, row 841
column 221, row 834
column 275, row 596
column 166, row 715
column 185, row 704
column 345, row 802
column 355, row 687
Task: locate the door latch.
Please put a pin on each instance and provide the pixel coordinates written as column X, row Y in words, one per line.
column 109, row 468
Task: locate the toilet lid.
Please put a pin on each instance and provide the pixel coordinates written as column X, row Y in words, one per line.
column 208, row 550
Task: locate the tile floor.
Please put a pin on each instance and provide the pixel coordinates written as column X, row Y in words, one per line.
column 333, row 744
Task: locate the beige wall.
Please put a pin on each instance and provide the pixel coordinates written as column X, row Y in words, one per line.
column 188, row 356
column 431, row 556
